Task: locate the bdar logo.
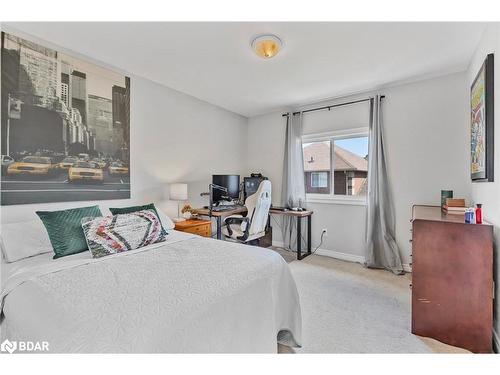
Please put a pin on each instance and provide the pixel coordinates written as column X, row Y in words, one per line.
column 24, row 346
column 8, row 346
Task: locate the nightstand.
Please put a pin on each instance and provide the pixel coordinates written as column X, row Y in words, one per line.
column 200, row 227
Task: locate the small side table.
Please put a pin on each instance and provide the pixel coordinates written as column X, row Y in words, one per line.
column 299, row 215
column 195, row 226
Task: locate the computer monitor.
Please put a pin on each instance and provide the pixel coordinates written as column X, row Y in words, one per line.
column 231, row 182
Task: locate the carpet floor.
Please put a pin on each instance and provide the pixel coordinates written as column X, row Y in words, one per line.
column 347, row 308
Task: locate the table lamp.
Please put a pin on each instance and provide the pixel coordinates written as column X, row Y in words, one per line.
column 178, row 192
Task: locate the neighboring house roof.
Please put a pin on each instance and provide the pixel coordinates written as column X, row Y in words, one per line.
column 346, row 160
column 317, row 158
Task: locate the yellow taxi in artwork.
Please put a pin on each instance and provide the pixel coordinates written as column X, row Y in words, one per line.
column 85, row 171
column 118, row 168
column 101, row 162
column 32, row 165
column 67, row 162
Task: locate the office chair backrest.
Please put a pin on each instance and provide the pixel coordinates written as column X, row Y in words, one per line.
column 258, row 205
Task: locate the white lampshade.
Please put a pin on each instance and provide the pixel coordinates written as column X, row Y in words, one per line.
column 178, row 192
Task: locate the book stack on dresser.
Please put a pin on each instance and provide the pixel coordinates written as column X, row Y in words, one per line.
column 455, row 206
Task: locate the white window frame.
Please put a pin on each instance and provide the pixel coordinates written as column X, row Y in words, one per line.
column 333, row 136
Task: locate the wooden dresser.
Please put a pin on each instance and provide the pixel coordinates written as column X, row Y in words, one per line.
column 452, row 279
column 195, row 226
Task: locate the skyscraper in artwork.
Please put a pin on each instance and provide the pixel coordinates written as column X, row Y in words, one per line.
column 37, row 79
column 79, row 93
column 101, row 124
column 121, row 118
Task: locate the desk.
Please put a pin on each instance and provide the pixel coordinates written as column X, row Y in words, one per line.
column 219, row 216
column 241, row 210
column 299, row 215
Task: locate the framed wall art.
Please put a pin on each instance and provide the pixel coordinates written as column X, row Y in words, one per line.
column 482, row 123
column 65, row 127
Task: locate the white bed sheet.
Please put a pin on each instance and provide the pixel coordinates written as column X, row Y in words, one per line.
column 9, row 269
column 190, row 294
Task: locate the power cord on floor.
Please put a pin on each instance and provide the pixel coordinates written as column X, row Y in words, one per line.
column 320, row 242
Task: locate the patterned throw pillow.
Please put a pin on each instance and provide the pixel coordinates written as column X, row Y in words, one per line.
column 115, row 234
column 127, row 210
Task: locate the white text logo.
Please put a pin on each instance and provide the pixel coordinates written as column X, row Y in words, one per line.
column 24, row 346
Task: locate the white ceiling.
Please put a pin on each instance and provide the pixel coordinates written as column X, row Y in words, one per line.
column 214, row 62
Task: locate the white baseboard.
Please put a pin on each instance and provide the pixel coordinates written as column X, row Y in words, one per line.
column 342, row 256
column 496, row 342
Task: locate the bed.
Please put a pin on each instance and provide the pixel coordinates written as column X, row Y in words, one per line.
column 186, row 295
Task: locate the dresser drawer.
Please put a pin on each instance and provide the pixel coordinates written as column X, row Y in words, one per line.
column 201, row 230
column 195, row 226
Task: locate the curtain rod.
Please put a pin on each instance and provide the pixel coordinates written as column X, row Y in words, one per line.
column 331, row 106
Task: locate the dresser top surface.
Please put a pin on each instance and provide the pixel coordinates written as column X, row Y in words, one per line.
column 434, row 213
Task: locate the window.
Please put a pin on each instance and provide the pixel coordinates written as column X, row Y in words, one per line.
column 317, row 167
column 336, row 165
column 319, row 179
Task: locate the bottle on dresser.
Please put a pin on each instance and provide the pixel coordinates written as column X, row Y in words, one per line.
column 479, row 213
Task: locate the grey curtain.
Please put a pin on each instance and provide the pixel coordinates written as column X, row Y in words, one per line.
column 381, row 248
column 293, row 193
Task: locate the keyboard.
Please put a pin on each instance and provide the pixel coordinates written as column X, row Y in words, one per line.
column 225, row 208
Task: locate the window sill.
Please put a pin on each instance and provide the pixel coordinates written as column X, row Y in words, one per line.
column 342, row 201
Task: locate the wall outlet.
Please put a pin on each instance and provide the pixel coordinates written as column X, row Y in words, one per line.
column 324, row 232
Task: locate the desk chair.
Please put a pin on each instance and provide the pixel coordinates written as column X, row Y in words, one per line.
column 250, row 228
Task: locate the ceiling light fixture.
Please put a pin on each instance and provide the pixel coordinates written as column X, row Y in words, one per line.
column 267, row 46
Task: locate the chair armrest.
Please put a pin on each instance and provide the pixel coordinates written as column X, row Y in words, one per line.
column 235, row 219
column 233, row 216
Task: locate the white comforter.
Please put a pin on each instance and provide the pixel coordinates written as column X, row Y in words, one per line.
column 190, row 294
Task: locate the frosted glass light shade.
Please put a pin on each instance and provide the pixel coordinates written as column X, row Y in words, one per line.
column 179, row 192
column 267, row 46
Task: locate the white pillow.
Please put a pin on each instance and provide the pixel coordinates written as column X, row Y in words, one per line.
column 166, row 222
column 24, row 239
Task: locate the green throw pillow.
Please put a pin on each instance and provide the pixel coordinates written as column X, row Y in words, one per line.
column 65, row 229
column 127, row 210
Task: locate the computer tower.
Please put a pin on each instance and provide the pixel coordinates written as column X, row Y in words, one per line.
column 251, row 184
column 267, row 240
